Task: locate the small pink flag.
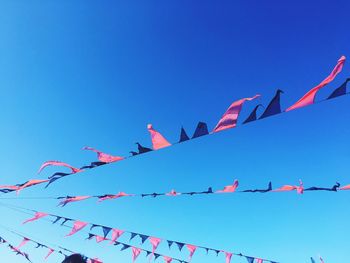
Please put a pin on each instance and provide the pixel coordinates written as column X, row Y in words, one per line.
column 228, row 257
column 155, row 243
column 58, row 163
column 104, row 157
column 109, row 197
column 167, row 259
column 30, row 183
column 135, row 253
column 346, row 187
column 78, row 225
column 99, row 239
column 230, row 188
column 230, row 117
column 172, row 193
column 158, row 140
column 309, row 97
column 49, row 253
column 37, row 216
column 191, row 249
column 259, row 260
column 116, row 233
column 24, row 241
column 68, row 200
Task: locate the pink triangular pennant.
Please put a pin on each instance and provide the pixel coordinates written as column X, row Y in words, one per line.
column 78, row 225
column 37, row 216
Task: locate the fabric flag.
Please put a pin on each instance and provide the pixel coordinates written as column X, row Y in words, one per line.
column 132, row 236
column 309, row 97
column 312, row 260
column 170, row 243
column 250, row 259
column 252, row 115
column 274, row 106
column 30, row 183
column 24, row 241
column 228, row 257
column 125, row 246
column 339, row 91
column 78, row 225
column 104, row 157
column 230, row 117
column 259, row 260
column 201, row 130
column 106, row 230
column 299, row 189
column 143, row 238
column 142, row 149
column 191, row 249
column 346, row 187
column 158, row 141
column 183, row 135
column 116, row 233
column 135, row 253
column 70, row 199
column 179, row 245
column 108, row 197
column 58, row 163
column 99, row 239
column 167, row 259
column 229, row 188
column 37, row 216
column 172, row 193
column 155, row 243
column 49, row 253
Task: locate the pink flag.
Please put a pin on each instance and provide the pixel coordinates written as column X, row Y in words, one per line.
column 24, row 241
column 58, row 163
column 309, row 97
column 346, row 187
column 158, row 140
column 104, row 157
column 285, row 188
column 116, row 233
column 30, row 183
column 172, row 193
column 37, row 216
column 78, row 225
column 229, row 188
column 94, row 260
column 108, row 197
column 135, row 253
column 49, row 253
column 230, row 117
column 73, row 199
column 167, row 259
column 191, row 249
column 228, row 257
column 259, row 260
column 100, row 238
column 155, row 242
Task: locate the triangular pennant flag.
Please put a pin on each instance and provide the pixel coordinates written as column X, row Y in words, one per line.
column 228, row 257
column 106, row 230
column 135, row 253
column 143, row 238
column 230, row 117
column 217, row 252
column 183, row 135
column 155, row 243
column 180, row 245
column 252, row 115
column 94, row 225
column 142, row 149
column 156, row 256
column 78, row 225
column 49, row 253
column 201, row 130
column 116, row 233
column 133, row 235
column 104, row 157
column 56, row 220
column 91, row 236
column 274, row 106
column 148, row 253
column 158, row 141
column 24, row 241
column 250, row 259
column 309, row 97
column 259, row 260
column 167, row 259
column 191, row 249
column 125, row 246
column 37, row 216
column 339, row 91
column 206, row 250
column 170, row 243
column 100, row 238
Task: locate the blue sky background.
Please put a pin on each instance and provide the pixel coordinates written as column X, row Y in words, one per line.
column 77, row 73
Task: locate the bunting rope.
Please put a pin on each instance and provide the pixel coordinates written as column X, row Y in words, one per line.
column 14, row 249
column 173, row 193
column 25, row 240
column 117, row 233
column 228, row 121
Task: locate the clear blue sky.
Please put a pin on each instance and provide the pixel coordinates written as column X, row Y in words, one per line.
column 76, row 73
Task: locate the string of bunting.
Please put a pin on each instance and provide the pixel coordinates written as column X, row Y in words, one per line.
column 300, row 189
column 37, row 244
column 116, row 233
column 14, row 249
column 229, row 120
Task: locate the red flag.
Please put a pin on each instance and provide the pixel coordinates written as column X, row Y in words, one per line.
column 104, row 157
column 78, row 225
column 309, row 97
column 158, row 140
column 230, row 117
column 37, row 216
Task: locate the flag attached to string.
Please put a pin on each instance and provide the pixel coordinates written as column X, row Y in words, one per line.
column 77, row 226
column 274, row 106
column 158, row 141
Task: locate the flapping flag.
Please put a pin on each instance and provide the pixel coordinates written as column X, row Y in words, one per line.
column 30, row 183
column 37, row 216
column 274, row 106
column 339, row 91
column 191, row 249
column 158, row 140
column 228, row 257
column 201, row 130
column 24, row 241
column 346, row 187
column 299, row 189
column 230, row 117
column 155, row 243
column 49, row 253
column 116, row 233
column 309, row 97
column 104, row 157
column 58, row 163
column 252, row 116
column 229, row 188
column 78, row 225
column 259, row 260
column 108, row 197
column 70, row 199
column 135, row 253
